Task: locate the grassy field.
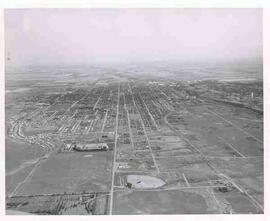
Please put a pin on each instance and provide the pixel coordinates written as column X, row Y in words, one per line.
column 162, row 202
column 19, row 153
column 71, row 172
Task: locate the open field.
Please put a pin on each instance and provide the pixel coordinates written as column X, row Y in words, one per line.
column 70, row 173
column 28, row 154
column 61, row 204
column 163, row 202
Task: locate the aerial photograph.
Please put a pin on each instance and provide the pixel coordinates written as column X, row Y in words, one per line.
column 133, row 111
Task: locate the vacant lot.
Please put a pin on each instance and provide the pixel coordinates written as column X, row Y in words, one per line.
column 19, row 153
column 71, row 172
column 161, row 202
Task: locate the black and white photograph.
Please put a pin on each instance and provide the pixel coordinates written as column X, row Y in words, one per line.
column 133, row 111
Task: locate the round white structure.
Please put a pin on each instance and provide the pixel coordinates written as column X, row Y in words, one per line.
column 143, row 181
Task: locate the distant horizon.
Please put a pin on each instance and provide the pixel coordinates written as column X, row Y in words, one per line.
column 126, row 36
column 152, row 62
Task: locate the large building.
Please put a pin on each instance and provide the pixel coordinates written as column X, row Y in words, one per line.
column 91, row 147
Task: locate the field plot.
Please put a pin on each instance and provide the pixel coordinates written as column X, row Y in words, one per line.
column 250, row 121
column 28, row 153
column 164, row 202
column 225, row 137
column 71, row 173
column 17, row 168
column 60, row 204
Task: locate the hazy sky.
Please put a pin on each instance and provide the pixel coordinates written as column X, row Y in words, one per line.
column 38, row 36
